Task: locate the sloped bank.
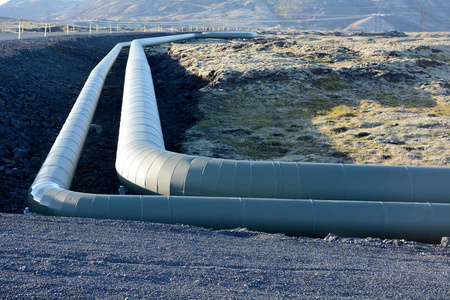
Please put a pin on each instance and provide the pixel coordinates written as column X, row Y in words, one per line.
column 40, row 81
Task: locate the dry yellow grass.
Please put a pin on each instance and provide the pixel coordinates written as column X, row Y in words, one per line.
column 323, row 98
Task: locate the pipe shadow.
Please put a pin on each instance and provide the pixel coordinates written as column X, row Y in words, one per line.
column 273, row 114
column 176, row 96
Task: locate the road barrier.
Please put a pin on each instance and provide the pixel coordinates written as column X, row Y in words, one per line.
column 301, row 199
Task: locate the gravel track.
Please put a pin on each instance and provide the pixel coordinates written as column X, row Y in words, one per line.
column 53, row 257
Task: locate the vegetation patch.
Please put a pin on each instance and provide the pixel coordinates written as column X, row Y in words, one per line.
column 387, row 102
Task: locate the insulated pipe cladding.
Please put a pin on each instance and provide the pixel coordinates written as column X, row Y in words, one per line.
column 291, row 198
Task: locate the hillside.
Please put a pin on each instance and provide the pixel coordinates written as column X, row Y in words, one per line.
column 368, row 15
column 202, row 13
column 34, row 9
column 401, row 15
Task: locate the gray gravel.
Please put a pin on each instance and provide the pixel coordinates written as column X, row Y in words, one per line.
column 40, row 80
column 54, row 257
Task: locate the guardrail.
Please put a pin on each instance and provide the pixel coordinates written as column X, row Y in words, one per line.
column 291, row 198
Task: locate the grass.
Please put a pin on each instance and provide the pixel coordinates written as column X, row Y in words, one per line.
column 355, row 111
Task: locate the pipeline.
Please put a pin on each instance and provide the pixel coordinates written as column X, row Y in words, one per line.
column 291, row 198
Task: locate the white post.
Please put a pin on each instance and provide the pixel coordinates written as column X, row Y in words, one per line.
column 68, row 29
column 117, row 27
column 19, row 30
column 96, row 27
column 110, row 29
column 90, row 28
column 45, row 30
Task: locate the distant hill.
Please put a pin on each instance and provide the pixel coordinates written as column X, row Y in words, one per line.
column 206, row 12
column 371, row 15
column 34, row 9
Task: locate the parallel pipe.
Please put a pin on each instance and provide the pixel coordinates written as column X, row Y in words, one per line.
column 146, row 168
column 243, row 187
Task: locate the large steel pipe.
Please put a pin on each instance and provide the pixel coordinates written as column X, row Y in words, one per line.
column 141, row 150
column 146, row 168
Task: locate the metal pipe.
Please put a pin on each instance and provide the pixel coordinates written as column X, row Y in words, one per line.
column 149, row 169
column 170, row 173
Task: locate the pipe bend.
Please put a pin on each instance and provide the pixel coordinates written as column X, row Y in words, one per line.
column 292, row 198
column 424, row 222
column 262, row 179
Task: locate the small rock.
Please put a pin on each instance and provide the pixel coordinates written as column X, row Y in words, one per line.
column 445, row 241
column 339, row 129
column 20, row 153
column 395, row 141
column 17, row 173
column 428, row 63
column 397, row 242
column 362, row 134
column 237, row 132
column 97, row 128
column 331, row 237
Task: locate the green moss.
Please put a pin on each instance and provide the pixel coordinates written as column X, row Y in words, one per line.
column 305, row 138
column 332, row 82
column 316, row 120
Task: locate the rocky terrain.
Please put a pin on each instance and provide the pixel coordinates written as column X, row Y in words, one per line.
column 323, row 97
column 312, row 96
column 41, row 79
column 45, row 257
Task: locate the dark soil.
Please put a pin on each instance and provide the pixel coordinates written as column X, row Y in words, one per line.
column 40, row 81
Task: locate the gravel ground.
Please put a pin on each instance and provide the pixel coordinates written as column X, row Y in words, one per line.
column 41, row 79
column 52, row 257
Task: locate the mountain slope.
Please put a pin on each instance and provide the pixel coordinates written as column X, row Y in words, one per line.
column 34, row 9
column 402, row 15
column 223, row 12
column 373, row 15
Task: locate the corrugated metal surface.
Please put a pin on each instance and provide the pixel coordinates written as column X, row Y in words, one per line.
column 291, row 198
